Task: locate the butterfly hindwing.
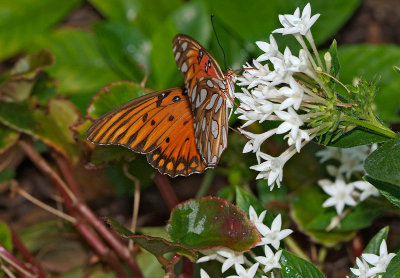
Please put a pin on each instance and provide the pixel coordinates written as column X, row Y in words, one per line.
column 153, row 124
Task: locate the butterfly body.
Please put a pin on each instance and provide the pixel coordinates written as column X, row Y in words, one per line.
column 182, row 130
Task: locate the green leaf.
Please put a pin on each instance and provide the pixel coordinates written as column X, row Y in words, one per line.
column 396, row 69
column 357, row 137
column 295, row 267
column 112, row 96
column 6, row 175
column 5, row 236
column 393, row 269
column 8, row 138
column 51, row 126
column 335, row 64
column 209, row 222
column 79, row 67
column 312, row 218
column 245, row 199
column 163, row 65
column 26, row 20
column 124, row 11
column 155, row 245
column 265, row 195
column 123, row 48
column 390, row 191
column 22, row 77
column 384, row 163
column 193, row 19
column 375, row 62
column 373, row 245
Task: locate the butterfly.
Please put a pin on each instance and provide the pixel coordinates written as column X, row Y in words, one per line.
column 182, row 130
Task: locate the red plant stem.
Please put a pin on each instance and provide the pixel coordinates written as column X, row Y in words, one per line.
column 116, row 244
column 16, row 264
column 100, row 248
column 26, row 255
column 66, row 171
column 76, row 208
column 166, row 190
column 187, row 268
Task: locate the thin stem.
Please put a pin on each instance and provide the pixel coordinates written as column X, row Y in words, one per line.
column 7, row 271
column 295, row 248
column 166, row 190
column 26, row 255
column 44, row 206
column 207, row 181
column 367, row 125
column 310, row 39
column 327, row 74
column 299, row 38
column 14, row 262
column 136, row 202
column 38, row 160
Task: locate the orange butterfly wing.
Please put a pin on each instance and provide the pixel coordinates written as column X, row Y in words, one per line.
column 207, row 86
column 159, row 124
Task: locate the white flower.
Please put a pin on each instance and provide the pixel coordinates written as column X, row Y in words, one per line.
column 294, row 24
column 291, row 122
column 231, row 258
column 257, row 220
column 366, row 189
column 340, row 192
column 207, row 258
column 274, row 235
column 294, row 95
column 272, row 169
column 242, row 273
column 270, row 49
column 363, row 270
column 270, row 260
column 328, row 153
column 203, row 274
column 302, row 136
column 380, row 262
column 255, row 140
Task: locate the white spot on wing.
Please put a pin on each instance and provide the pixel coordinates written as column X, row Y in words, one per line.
column 219, row 104
column 174, row 49
column 201, row 98
column 209, row 151
column 194, row 93
column 219, row 82
column 204, row 124
column 220, row 149
column 214, row 159
column 184, row 67
column 214, row 128
column 184, row 46
column 224, row 138
column 177, row 56
column 210, row 84
column 212, row 101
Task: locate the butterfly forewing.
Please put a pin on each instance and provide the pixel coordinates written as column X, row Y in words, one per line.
column 206, row 84
column 154, row 124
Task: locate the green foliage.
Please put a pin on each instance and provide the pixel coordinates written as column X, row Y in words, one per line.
column 155, row 245
column 211, row 222
column 293, row 266
column 5, row 236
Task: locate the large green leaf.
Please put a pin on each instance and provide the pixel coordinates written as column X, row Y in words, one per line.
column 155, row 245
column 357, row 137
column 123, row 48
column 8, row 138
column 295, row 267
column 80, row 67
column 211, row 222
column 124, row 11
column 163, row 65
column 389, row 190
column 51, row 126
column 24, row 20
column 19, row 81
column 384, row 163
column 112, row 96
column 375, row 62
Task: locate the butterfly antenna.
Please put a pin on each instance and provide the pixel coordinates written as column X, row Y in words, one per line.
column 215, row 32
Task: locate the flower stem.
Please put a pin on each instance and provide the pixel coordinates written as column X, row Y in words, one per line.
column 370, row 126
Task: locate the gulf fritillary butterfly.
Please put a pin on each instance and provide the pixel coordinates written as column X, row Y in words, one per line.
column 182, row 130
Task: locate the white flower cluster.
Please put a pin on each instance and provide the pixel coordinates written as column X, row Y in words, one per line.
column 270, row 236
column 276, row 95
column 370, row 265
column 343, row 192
